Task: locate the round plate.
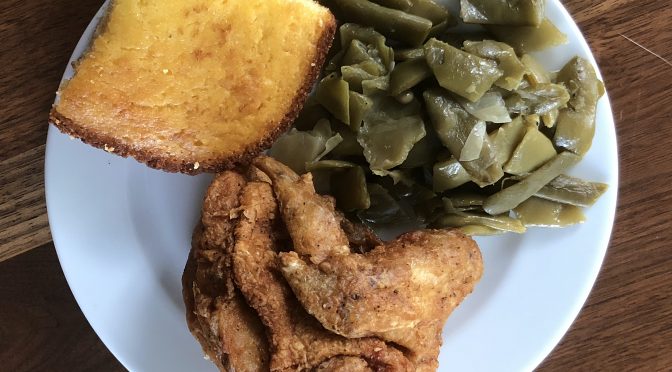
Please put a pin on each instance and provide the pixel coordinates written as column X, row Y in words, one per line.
column 123, row 232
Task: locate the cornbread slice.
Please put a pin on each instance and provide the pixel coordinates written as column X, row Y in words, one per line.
column 195, row 85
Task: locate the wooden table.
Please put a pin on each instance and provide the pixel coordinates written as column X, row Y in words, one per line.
column 625, row 325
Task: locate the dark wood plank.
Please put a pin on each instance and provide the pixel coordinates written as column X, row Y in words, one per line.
column 37, row 38
column 41, row 327
column 23, row 213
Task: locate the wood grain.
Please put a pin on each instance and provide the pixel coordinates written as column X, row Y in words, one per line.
column 23, row 213
column 626, row 324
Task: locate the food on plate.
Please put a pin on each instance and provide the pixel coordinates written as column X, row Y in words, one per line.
column 267, row 237
column 297, row 340
column 503, row 12
column 404, row 123
column 231, row 334
column 194, row 86
column 401, row 291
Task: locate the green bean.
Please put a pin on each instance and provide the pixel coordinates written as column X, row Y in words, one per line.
column 457, row 39
column 478, row 230
column 506, row 58
column 355, row 76
column 463, row 202
column 406, row 54
column 576, row 124
column 311, row 113
column 376, row 86
column 313, row 145
column 389, row 133
column 439, row 29
column 360, row 105
column 502, row 222
column 525, row 39
column 506, row 139
column 473, row 146
column 329, row 164
column 491, row 108
column 368, row 36
column 384, row 208
column 334, row 94
column 508, row 12
column 534, row 150
column 541, row 99
column 424, row 151
column 349, row 146
column 569, row 190
column 536, row 73
column 405, row 97
column 448, row 175
column 393, row 23
column 408, row 74
column 359, row 54
column 545, row 213
column 462, row 73
column 350, row 190
column 404, row 5
column 453, row 125
column 431, row 10
column 512, row 196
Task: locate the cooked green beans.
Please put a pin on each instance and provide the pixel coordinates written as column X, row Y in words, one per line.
column 503, row 12
column 512, row 196
column 404, row 5
column 393, row 23
column 408, row 74
column 462, row 73
column 453, row 126
column 450, row 130
column 350, row 190
column 334, row 94
column 449, row 175
column 573, row 191
column 545, row 213
column 512, row 68
column 534, row 150
column 525, row 39
column 503, row 223
column 576, row 124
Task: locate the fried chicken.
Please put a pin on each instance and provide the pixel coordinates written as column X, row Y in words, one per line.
column 230, row 332
column 402, row 291
column 297, row 340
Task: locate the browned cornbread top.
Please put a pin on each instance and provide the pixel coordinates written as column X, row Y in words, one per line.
column 194, row 85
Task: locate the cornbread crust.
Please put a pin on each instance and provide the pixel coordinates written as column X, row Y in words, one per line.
column 157, row 160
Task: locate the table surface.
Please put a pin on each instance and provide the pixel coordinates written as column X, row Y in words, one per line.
column 625, row 325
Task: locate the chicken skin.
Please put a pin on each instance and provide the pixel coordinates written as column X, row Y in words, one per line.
column 402, row 291
column 230, row 332
column 297, row 340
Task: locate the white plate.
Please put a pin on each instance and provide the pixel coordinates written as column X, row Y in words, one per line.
column 122, row 232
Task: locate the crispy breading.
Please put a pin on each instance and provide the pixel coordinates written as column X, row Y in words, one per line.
column 297, row 340
column 402, row 291
column 230, row 332
column 344, row 364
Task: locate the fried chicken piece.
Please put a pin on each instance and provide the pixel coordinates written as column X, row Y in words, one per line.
column 297, row 340
column 230, row 332
column 343, row 364
column 402, row 291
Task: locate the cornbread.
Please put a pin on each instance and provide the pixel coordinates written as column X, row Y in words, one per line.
column 195, row 85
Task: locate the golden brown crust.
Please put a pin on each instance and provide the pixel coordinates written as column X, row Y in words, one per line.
column 161, row 161
column 229, row 331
